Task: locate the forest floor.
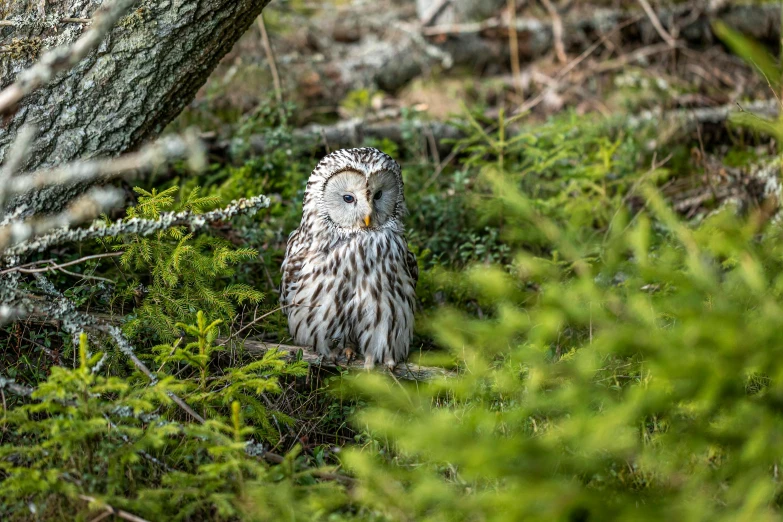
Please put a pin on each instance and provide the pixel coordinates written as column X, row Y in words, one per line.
column 580, row 118
column 308, row 83
column 305, row 81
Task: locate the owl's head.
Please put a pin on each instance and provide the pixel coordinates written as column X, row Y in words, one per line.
column 357, row 190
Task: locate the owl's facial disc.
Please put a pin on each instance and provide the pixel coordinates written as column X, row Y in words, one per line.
column 354, row 201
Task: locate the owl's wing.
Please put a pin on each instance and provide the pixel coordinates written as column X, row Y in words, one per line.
column 289, row 268
column 413, row 267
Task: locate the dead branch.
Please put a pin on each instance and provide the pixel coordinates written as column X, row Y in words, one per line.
column 656, row 23
column 557, row 31
column 75, row 322
column 687, row 119
column 85, row 208
column 143, row 227
column 343, row 134
column 756, row 187
column 150, row 157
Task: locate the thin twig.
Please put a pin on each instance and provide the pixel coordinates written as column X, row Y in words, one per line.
column 254, row 321
column 433, row 144
column 11, row 23
column 557, row 31
column 644, row 52
column 85, row 276
column 53, row 266
column 76, row 20
column 656, row 23
column 442, row 165
column 270, row 58
column 513, row 46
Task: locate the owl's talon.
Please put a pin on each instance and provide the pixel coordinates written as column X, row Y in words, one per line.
column 349, row 354
column 369, row 362
column 390, row 364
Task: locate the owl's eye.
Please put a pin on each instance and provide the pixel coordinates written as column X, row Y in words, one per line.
column 378, row 195
column 348, row 198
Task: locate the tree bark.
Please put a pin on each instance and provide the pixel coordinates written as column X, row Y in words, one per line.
column 140, row 78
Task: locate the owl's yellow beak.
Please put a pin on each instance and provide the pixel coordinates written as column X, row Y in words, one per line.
column 367, row 220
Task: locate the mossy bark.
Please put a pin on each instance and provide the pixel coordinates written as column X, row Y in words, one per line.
column 141, row 77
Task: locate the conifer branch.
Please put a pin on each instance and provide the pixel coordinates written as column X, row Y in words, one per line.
column 75, row 322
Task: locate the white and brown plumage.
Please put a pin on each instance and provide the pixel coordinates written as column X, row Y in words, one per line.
column 349, row 280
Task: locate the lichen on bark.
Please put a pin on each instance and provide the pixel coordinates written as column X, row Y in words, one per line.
column 125, row 93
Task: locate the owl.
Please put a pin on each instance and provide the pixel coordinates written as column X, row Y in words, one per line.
column 348, row 278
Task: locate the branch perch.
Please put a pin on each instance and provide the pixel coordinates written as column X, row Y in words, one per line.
column 406, row 371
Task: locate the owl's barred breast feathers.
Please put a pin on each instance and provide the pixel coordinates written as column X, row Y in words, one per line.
column 348, row 277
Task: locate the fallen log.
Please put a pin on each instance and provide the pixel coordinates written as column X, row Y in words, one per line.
column 354, row 132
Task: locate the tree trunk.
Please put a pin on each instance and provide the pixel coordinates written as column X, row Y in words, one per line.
column 141, row 77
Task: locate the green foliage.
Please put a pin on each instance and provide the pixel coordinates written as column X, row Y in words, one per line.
column 614, row 361
column 749, row 50
column 624, row 367
column 756, row 55
column 358, row 103
column 84, row 432
column 176, row 271
column 120, row 440
column 212, row 393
